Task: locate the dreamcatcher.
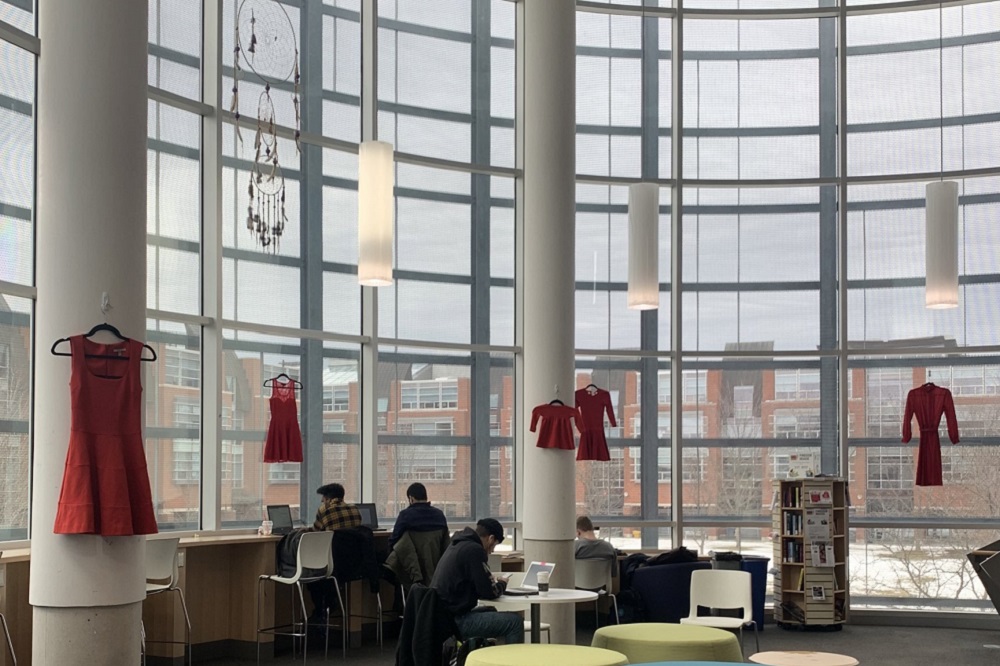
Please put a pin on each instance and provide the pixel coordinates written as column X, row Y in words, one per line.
column 265, row 42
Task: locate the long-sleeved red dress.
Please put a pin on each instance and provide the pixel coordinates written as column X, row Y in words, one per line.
column 557, row 426
column 593, row 444
column 927, row 403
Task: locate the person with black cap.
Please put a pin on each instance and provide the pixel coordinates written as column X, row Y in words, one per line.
column 463, row 577
column 333, row 512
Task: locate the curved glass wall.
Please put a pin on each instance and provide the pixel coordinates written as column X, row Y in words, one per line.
column 800, row 160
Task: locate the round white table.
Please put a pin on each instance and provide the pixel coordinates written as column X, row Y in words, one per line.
column 556, row 595
column 802, row 658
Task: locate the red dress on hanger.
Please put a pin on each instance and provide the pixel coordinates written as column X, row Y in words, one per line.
column 284, row 439
column 928, row 402
column 557, row 426
column 592, row 406
column 105, row 488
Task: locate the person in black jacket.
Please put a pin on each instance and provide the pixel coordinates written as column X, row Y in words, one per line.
column 463, row 577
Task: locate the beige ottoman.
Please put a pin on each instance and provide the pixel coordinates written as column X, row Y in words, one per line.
column 656, row 641
column 528, row 654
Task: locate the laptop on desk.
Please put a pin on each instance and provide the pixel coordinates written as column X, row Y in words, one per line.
column 527, row 583
column 280, row 516
column 369, row 515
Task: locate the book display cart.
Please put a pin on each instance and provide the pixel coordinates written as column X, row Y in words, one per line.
column 810, row 552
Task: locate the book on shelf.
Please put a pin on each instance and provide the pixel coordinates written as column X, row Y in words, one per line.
column 802, row 579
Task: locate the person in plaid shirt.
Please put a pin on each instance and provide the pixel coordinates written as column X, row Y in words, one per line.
column 334, row 513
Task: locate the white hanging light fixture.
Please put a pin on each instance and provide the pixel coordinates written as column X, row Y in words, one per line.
column 941, row 209
column 942, row 245
column 376, row 179
column 643, row 246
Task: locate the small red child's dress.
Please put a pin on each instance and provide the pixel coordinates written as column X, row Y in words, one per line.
column 105, row 488
column 284, row 439
column 557, row 426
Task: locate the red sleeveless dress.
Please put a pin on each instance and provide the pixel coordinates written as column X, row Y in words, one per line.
column 284, row 439
column 105, row 487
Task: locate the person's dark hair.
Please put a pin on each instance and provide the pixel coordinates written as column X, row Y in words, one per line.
column 331, row 491
column 584, row 524
column 417, row 491
column 490, row 527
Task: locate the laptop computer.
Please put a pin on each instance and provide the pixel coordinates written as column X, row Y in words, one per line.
column 529, row 583
column 280, row 516
column 369, row 515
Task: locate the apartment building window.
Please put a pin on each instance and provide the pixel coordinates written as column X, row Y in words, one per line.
column 426, row 427
column 284, row 473
column 798, row 384
column 663, row 387
column 437, row 394
column 693, row 461
column 187, row 461
column 695, row 386
column 182, row 367
column 334, row 425
column 795, row 423
column 967, row 379
column 232, row 463
column 336, row 399
column 426, row 463
column 187, row 412
column 889, row 468
column 886, row 390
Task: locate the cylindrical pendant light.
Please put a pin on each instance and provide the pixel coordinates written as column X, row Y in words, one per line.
column 376, row 179
column 643, row 246
column 942, row 245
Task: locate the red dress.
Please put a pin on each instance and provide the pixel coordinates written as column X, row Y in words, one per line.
column 105, row 488
column 928, row 402
column 592, row 406
column 557, row 426
column 284, row 439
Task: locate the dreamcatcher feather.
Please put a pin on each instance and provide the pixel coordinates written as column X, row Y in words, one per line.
column 272, row 54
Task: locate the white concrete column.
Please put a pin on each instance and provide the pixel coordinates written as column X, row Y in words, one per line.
column 548, row 67
column 91, row 238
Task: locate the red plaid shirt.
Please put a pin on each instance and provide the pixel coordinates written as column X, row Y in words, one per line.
column 336, row 514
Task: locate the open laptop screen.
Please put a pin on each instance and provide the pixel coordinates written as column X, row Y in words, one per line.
column 369, row 516
column 280, row 516
column 531, row 573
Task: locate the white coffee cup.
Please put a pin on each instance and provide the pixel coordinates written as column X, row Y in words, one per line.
column 265, row 528
column 543, row 582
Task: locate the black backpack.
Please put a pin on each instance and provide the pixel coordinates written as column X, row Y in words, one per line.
column 455, row 651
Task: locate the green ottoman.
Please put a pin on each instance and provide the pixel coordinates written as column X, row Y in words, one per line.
column 657, row 641
column 533, row 654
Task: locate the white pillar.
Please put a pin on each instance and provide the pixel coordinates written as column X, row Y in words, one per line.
column 548, row 67
column 91, row 238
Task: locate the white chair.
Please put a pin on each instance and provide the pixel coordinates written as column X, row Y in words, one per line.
column 162, row 576
column 594, row 575
column 313, row 552
column 722, row 588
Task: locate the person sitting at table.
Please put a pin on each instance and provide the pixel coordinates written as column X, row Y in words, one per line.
column 463, row 577
column 333, row 512
column 419, row 516
column 589, row 547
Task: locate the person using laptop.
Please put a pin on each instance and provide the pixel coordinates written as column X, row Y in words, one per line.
column 463, row 577
column 333, row 512
column 419, row 516
column 589, row 547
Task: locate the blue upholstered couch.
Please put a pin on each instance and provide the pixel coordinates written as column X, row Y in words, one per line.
column 663, row 592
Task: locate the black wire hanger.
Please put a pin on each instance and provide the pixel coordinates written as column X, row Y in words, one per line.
column 110, row 329
column 557, row 401
column 592, row 386
column 288, row 380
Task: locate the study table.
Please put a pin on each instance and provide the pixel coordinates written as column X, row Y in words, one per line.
column 218, row 573
column 556, row 595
